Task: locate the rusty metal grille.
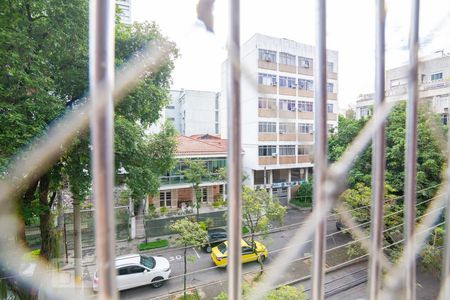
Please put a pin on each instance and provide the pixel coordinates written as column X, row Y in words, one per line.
column 107, row 89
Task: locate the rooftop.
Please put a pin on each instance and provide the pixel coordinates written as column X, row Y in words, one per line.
column 201, row 145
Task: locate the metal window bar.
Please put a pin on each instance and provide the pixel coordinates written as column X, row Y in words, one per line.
column 378, row 159
column 102, row 91
column 101, row 73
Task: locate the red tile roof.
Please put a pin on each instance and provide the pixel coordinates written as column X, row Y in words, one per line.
column 201, row 145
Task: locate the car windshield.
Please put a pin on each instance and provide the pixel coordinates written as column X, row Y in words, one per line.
column 148, row 261
column 222, row 248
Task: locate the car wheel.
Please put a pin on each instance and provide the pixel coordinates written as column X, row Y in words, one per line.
column 262, row 258
column 157, row 282
column 208, row 249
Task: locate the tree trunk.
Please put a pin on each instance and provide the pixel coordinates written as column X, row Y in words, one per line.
column 185, row 270
column 61, row 241
column 77, row 239
column 45, row 224
column 25, row 201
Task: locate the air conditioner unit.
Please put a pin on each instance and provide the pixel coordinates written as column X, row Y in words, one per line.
column 274, row 154
column 274, row 84
column 282, row 132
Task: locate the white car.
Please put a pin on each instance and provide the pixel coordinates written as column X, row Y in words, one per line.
column 137, row 270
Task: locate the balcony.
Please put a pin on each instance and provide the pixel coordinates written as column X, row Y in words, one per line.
column 267, row 89
column 332, row 116
column 332, row 75
column 287, row 114
column 305, row 115
column 304, row 159
column 287, row 68
column 288, row 91
column 287, row 137
column 306, row 93
column 306, row 71
column 267, row 113
column 331, row 96
column 267, row 137
column 287, row 159
column 305, row 137
column 267, row 65
column 267, row 160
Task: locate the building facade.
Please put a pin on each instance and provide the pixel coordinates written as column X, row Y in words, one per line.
column 125, row 11
column 434, row 86
column 277, row 98
column 194, row 112
column 175, row 190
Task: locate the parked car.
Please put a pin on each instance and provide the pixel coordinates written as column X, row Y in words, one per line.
column 216, row 236
column 137, row 270
column 219, row 254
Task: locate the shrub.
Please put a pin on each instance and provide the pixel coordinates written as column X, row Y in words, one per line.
column 164, row 211
column 153, row 245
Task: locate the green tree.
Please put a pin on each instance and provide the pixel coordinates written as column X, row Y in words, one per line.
column 258, row 210
column 195, row 172
column 430, row 158
column 303, row 196
column 189, row 234
column 41, row 78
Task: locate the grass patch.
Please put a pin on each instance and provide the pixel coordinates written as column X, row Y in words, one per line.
column 153, row 245
column 191, row 296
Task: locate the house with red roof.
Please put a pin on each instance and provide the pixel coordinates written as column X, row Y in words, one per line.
column 175, row 191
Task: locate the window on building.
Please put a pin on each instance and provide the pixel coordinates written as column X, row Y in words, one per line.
column 330, row 107
column 288, row 82
column 304, row 149
column 217, row 116
column 304, row 62
column 305, row 106
column 221, row 189
column 287, row 128
column 444, row 118
column 287, row 150
column 217, row 102
column 436, row 76
column 305, row 84
column 330, row 87
column 305, row 128
column 364, row 111
column 216, row 128
column 171, row 119
column 287, row 59
column 204, row 194
column 165, row 199
column 267, row 127
column 259, row 177
column 267, row 79
column 288, row 105
column 170, row 107
column 330, row 128
column 268, row 55
column 267, row 150
column 297, row 174
column 267, row 103
column 330, row 67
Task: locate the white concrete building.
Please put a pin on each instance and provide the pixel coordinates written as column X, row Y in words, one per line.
column 194, row 112
column 277, row 97
column 434, row 86
column 125, row 7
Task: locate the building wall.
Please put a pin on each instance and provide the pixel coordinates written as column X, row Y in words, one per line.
column 253, row 114
column 125, row 6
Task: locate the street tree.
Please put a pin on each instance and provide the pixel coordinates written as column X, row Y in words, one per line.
column 190, row 233
column 258, row 210
column 195, row 172
column 43, row 79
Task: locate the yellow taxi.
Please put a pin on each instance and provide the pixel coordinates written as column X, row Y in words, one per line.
column 219, row 254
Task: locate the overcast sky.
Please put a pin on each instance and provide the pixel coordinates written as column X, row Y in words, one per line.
column 350, row 30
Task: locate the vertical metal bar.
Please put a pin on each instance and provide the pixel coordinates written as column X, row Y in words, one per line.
column 411, row 154
column 320, row 152
column 234, row 154
column 101, row 77
column 378, row 158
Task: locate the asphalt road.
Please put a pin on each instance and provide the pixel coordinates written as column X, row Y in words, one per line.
column 205, row 271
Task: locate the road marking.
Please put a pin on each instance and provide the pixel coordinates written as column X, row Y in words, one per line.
column 196, row 252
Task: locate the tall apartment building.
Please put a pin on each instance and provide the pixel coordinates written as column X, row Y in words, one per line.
column 277, row 98
column 125, row 7
column 434, row 86
column 194, row 112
